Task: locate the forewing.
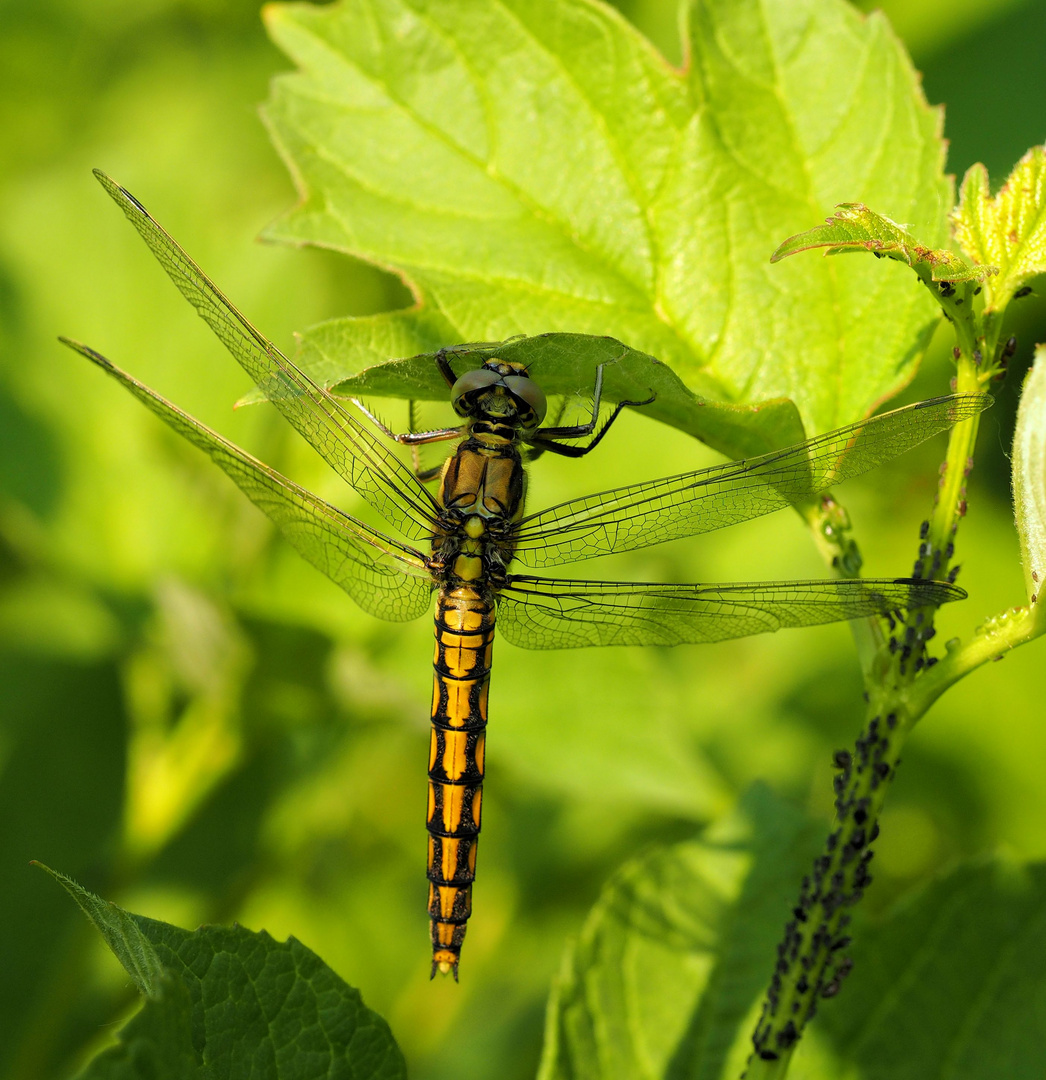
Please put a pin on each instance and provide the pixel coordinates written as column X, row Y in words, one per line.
column 350, row 447
column 384, row 577
column 676, row 506
column 546, row 613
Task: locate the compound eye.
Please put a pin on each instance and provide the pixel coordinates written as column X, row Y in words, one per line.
column 478, row 379
column 530, row 394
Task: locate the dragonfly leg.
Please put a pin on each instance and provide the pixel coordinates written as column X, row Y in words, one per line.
column 547, row 438
column 425, row 475
column 408, row 438
column 444, row 364
column 413, row 439
column 444, row 367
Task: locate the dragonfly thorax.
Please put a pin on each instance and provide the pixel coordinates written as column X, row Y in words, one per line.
column 482, row 494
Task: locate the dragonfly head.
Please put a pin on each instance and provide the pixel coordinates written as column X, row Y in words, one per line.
column 501, row 392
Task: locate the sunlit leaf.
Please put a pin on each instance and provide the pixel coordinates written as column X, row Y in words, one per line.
column 534, row 165
column 854, row 227
column 1009, row 230
column 225, row 1001
column 1029, row 476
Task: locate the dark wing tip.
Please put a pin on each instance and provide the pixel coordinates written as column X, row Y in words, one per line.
column 961, row 406
column 88, row 352
column 974, row 402
column 932, row 592
column 106, row 181
column 120, row 194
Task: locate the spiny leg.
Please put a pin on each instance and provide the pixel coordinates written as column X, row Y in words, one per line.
column 413, row 439
column 546, row 438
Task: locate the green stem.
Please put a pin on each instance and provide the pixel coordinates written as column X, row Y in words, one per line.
column 761, row 1069
column 829, row 525
column 811, row 958
column 991, row 642
column 811, row 961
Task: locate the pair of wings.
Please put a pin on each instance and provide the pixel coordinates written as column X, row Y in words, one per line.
column 391, row 579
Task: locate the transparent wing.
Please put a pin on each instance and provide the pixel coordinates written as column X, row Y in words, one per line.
column 383, row 576
column 658, row 510
column 546, row 613
column 350, row 447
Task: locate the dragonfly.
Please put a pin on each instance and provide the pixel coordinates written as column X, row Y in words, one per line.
column 463, row 541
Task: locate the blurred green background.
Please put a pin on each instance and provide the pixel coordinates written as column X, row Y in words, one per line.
column 199, row 726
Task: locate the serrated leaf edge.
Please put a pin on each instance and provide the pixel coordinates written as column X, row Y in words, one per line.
column 121, row 932
column 978, row 211
column 944, row 265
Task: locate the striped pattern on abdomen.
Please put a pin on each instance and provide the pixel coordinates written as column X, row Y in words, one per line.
column 461, row 676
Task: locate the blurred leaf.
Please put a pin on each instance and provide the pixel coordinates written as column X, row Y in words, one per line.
column 173, row 766
column 1009, row 230
column 992, row 80
column 533, row 166
column 227, row 1001
column 856, row 228
column 676, row 953
column 288, row 730
column 63, row 731
column 950, row 982
column 919, row 24
column 1029, row 476
column 29, row 465
column 47, row 616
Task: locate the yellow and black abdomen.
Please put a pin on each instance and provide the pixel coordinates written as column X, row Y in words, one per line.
column 461, row 677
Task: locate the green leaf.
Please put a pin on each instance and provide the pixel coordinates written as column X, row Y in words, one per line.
column 534, row 165
column 856, row 228
column 950, row 984
column 63, row 731
column 1029, row 476
column 567, row 364
column 1008, row 230
column 677, row 952
column 122, row 934
column 225, row 1001
column 155, row 1044
column 669, row 969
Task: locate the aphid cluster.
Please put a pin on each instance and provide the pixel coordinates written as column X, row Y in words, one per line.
column 814, row 936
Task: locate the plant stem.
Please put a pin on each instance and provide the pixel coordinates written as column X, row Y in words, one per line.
column 761, row 1069
column 830, row 528
column 900, row 687
column 991, row 642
